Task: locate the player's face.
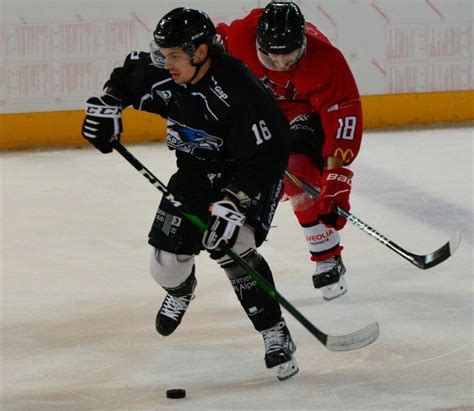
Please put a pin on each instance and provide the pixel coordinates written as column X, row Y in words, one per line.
column 284, row 62
column 178, row 63
column 281, row 62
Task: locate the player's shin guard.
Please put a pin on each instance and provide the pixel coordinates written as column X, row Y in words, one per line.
column 175, row 305
column 261, row 309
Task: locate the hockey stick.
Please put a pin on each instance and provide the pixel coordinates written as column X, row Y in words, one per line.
column 424, row 261
column 357, row 339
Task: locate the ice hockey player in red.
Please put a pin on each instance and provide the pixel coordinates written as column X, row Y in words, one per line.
column 314, row 86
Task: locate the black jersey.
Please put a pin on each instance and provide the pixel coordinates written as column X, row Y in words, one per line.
column 226, row 124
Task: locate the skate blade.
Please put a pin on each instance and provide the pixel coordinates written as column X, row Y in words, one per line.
column 333, row 294
column 333, row 297
column 287, row 369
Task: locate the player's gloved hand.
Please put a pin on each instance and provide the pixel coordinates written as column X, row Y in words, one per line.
column 336, row 186
column 223, row 227
column 103, row 122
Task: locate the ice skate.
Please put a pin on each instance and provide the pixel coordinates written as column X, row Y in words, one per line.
column 329, row 278
column 174, row 306
column 279, row 350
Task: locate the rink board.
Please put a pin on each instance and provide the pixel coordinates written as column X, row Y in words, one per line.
column 26, row 130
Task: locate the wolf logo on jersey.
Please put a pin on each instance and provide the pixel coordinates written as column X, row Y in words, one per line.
column 196, row 142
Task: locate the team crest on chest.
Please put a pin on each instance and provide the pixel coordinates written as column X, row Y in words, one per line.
column 193, row 141
column 280, row 91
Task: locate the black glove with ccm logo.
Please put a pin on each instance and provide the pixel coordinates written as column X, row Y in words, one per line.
column 223, row 227
column 103, row 122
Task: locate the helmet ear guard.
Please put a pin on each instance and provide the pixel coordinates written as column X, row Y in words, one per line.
column 281, row 28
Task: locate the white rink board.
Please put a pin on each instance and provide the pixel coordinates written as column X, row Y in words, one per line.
column 56, row 53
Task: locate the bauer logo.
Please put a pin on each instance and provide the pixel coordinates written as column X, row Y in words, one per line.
column 339, row 177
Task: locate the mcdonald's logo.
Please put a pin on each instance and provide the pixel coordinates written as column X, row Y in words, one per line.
column 345, row 155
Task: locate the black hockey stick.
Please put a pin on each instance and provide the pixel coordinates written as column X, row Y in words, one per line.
column 357, row 339
column 421, row 261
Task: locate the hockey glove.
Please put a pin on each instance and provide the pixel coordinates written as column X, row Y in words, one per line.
column 103, row 122
column 223, row 227
column 335, row 190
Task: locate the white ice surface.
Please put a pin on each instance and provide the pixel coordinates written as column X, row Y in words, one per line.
column 78, row 304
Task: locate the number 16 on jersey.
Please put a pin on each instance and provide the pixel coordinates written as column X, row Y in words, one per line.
column 261, row 132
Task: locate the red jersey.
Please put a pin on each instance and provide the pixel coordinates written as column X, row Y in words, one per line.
column 321, row 82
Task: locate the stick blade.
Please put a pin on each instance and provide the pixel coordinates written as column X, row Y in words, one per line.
column 436, row 257
column 355, row 340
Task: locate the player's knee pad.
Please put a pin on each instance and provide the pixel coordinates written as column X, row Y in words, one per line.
column 301, row 166
column 305, row 208
column 244, row 245
column 323, row 242
column 168, row 269
column 304, row 205
column 234, row 270
column 255, row 260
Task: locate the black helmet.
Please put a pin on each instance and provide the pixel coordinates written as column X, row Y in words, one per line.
column 186, row 28
column 280, row 28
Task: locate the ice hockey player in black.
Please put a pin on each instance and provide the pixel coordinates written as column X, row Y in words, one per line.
column 231, row 144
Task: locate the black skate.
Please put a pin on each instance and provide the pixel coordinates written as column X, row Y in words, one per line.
column 329, row 277
column 279, row 350
column 175, row 305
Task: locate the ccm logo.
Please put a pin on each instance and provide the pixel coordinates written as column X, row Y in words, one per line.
column 339, row 177
column 102, row 111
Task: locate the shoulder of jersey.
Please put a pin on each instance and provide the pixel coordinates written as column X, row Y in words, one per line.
column 232, row 67
column 319, row 47
column 314, row 36
column 235, row 74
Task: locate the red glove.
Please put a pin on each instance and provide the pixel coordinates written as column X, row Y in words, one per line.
column 335, row 189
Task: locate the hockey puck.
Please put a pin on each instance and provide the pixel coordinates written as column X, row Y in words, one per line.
column 176, row 393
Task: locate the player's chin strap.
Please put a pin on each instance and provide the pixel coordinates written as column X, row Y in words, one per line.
column 421, row 261
column 357, row 339
column 197, row 67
